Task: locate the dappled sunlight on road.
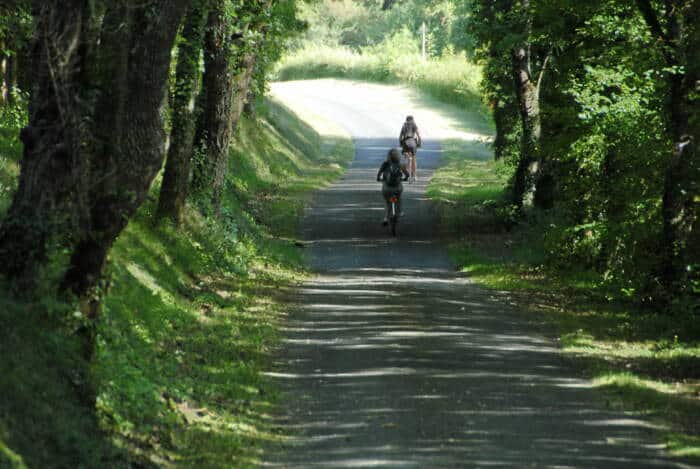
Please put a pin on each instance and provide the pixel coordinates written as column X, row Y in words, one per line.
column 436, row 373
column 390, row 358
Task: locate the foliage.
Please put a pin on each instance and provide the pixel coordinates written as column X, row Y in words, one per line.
column 606, row 136
column 356, row 25
column 12, row 119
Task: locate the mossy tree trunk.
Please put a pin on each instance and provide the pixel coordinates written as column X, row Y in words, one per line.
column 174, row 189
column 54, row 166
column 229, row 65
column 217, row 90
column 529, row 171
column 529, row 107
column 130, row 156
column 241, row 85
column 88, row 164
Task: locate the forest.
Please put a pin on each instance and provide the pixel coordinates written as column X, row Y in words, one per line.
column 153, row 192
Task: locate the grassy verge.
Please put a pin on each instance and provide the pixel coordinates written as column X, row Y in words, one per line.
column 644, row 362
column 450, row 79
column 186, row 328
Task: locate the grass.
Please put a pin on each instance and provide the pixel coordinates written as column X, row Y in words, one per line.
column 185, row 330
column 451, row 78
column 648, row 363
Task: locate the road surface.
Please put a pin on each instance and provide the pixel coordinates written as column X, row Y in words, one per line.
column 393, row 359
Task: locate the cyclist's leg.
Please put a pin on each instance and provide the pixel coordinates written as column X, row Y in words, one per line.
column 413, row 149
column 414, row 166
column 385, row 196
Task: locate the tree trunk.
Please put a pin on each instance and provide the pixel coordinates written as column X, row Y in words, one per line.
column 678, row 207
column 240, row 94
column 679, row 42
column 3, row 74
column 679, row 214
column 173, row 193
column 527, row 94
column 228, row 70
column 217, row 99
column 134, row 153
column 44, row 206
column 11, row 78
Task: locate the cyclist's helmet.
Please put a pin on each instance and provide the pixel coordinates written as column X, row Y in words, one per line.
column 394, row 155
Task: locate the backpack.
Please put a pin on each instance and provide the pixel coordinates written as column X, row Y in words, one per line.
column 408, row 130
column 393, row 175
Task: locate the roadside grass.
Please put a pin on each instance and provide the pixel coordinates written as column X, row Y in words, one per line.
column 644, row 362
column 451, row 78
column 185, row 330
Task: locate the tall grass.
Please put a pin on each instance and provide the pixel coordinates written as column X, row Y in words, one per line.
column 450, row 78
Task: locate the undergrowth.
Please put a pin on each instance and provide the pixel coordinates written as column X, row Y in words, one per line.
column 186, row 327
column 643, row 360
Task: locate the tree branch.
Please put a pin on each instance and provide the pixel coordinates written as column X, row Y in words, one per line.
column 651, row 19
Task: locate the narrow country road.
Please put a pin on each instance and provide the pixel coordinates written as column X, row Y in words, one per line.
column 392, row 359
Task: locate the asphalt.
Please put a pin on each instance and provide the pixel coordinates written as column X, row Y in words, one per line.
column 391, row 358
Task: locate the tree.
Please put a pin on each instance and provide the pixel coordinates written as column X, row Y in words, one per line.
column 229, row 64
column 528, row 82
column 130, row 141
column 515, row 68
column 95, row 136
column 174, row 189
column 674, row 25
column 15, row 33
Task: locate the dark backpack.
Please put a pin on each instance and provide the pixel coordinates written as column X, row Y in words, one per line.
column 393, row 175
column 408, row 130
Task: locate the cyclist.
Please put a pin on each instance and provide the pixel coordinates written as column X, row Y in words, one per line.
column 410, row 141
column 391, row 173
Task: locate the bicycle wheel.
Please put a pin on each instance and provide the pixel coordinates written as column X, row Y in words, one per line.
column 394, row 214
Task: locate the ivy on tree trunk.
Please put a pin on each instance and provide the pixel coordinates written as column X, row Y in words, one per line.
column 174, row 189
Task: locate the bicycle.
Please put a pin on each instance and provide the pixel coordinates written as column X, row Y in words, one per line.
column 394, row 213
column 410, row 165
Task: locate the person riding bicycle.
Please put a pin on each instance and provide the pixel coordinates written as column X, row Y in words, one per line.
column 410, row 138
column 391, row 173
column 410, row 141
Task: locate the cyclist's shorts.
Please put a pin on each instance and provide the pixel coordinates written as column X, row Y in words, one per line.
column 388, row 191
column 411, row 145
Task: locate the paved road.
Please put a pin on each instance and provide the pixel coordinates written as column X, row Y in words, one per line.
column 391, row 359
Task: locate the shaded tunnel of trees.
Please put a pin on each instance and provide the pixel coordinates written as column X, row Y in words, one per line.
column 596, row 107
